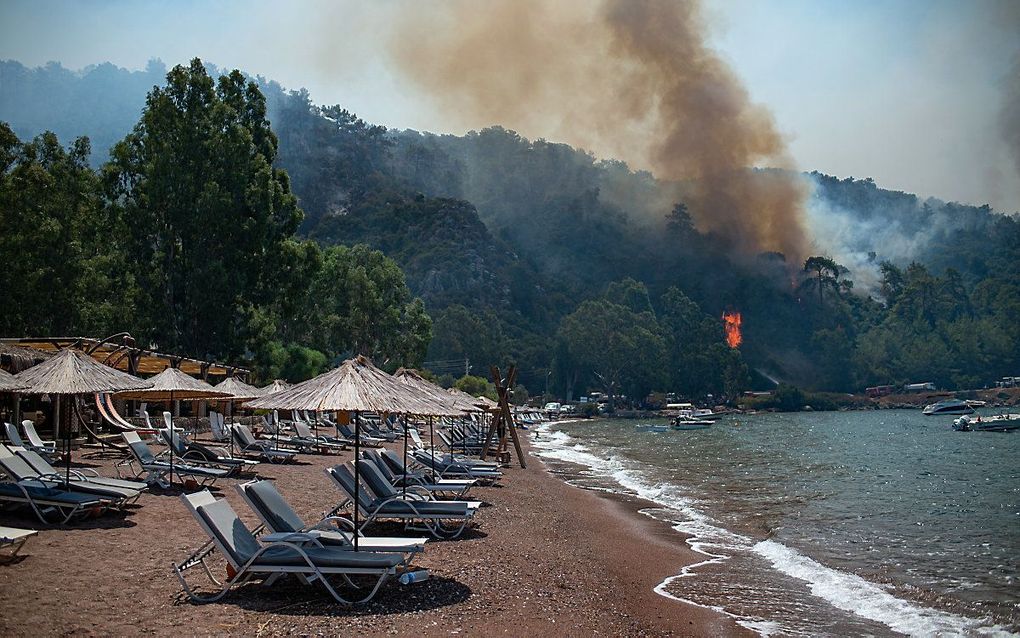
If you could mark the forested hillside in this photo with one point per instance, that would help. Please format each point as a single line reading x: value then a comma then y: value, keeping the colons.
x: 518, y: 248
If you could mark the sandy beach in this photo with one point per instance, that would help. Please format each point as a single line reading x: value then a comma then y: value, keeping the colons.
x: 546, y: 559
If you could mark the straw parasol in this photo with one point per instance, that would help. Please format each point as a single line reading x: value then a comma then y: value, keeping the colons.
x: 173, y: 385
x: 275, y: 386
x: 8, y: 383
x: 236, y: 390
x: 452, y: 398
x: 72, y: 372
x: 355, y: 386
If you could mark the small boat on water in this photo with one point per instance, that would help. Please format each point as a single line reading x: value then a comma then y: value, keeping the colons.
x: 684, y: 422
x: 651, y: 427
x: 997, y: 423
x: 947, y: 406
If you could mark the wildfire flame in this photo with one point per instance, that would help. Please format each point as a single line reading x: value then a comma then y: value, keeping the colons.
x: 732, y: 321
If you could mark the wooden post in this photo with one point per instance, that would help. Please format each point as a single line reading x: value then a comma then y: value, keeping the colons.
x: 505, y: 415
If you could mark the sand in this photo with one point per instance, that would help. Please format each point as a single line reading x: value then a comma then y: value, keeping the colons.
x: 546, y: 559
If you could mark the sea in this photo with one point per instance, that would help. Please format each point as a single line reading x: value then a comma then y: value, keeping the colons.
x: 879, y: 523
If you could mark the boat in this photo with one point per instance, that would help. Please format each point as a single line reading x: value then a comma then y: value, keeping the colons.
x: 651, y: 427
x: 689, y: 410
x: 947, y: 406
x: 684, y: 422
x: 997, y: 423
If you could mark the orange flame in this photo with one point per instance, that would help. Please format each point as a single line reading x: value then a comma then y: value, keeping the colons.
x: 732, y: 321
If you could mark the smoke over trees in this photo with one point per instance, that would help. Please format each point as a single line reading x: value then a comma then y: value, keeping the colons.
x: 631, y: 80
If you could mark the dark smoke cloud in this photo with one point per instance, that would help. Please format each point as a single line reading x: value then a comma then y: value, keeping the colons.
x: 632, y: 79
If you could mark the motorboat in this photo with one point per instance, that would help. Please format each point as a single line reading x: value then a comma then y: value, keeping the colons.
x: 684, y: 422
x: 997, y: 423
x: 947, y: 406
x: 651, y: 427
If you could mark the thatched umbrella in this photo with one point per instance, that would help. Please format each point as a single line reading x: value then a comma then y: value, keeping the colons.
x: 355, y: 386
x: 173, y: 385
x: 456, y: 403
x: 236, y: 390
x: 275, y: 386
x: 71, y: 372
x: 8, y: 384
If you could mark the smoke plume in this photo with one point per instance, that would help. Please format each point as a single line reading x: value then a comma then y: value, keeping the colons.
x: 630, y: 79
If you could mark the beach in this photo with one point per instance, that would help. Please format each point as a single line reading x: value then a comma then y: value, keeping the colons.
x: 545, y: 559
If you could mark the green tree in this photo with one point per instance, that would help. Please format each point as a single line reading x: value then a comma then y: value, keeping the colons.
x: 359, y: 304
x: 620, y: 348
x: 208, y: 212
x: 64, y: 265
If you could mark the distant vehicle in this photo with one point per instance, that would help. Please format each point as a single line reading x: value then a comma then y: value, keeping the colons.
x: 947, y: 406
x: 879, y: 391
x: 919, y: 387
x: 1008, y: 382
x: 552, y: 408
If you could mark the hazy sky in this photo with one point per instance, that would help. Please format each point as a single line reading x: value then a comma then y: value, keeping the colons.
x: 909, y: 93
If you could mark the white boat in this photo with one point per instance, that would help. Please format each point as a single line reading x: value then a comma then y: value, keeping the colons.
x: 947, y: 406
x: 997, y: 423
x: 684, y: 422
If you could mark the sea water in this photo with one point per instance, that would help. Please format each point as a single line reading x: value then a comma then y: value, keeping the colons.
x: 824, y: 523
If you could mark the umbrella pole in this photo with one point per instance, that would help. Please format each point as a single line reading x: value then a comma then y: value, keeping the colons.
x: 171, y: 442
x: 432, y: 446
x: 67, y: 449
x: 357, y: 475
x: 405, y: 457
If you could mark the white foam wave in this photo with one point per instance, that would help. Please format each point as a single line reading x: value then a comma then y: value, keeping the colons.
x: 857, y: 595
x: 842, y: 590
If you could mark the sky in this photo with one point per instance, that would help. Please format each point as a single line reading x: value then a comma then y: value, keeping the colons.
x: 906, y: 92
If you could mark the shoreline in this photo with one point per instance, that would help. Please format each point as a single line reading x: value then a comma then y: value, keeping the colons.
x: 547, y: 558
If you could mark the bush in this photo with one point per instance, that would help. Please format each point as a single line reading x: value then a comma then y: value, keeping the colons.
x: 588, y: 410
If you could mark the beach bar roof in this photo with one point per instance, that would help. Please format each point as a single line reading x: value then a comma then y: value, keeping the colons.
x: 355, y: 386
x: 120, y: 353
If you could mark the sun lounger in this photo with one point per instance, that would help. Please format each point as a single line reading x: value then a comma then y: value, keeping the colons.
x: 448, y: 468
x: 395, y: 475
x: 218, y: 428
x: 329, y: 442
x: 416, y: 515
x: 11, y: 541
x: 299, y: 554
x: 85, y: 474
x: 19, y: 470
x: 14, y: 438
x: 35, y: 442
x: 279, y: 518
x: 302, y: 442
x: 156, y: 470
x: 248, y: 444
x: 201, y: 455
x: 47, y: 502
x: 366, y: 440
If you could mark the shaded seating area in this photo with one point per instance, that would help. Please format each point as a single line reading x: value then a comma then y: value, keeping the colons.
x: 273, y: 556
x: 158, y: 472
x: 279, y: 518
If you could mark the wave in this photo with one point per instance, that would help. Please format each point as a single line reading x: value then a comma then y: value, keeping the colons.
x: 706, y: 536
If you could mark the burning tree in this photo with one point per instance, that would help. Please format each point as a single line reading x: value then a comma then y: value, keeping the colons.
x: 731, y: 322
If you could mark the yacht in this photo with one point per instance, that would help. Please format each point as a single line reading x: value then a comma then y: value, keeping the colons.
x: 685, y: 422
x: 948, y: 406
x: 998, y: 423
